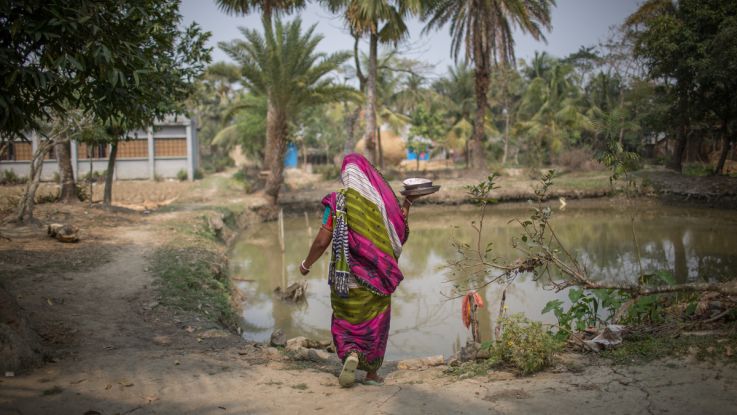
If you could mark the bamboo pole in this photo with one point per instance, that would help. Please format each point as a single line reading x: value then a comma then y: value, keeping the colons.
x: 281, y: 230
x: 309, y: 228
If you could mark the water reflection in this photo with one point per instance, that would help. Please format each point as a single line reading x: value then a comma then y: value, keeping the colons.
x: 692, y: 243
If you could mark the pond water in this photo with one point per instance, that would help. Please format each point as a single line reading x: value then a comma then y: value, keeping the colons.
x: 692, y: 243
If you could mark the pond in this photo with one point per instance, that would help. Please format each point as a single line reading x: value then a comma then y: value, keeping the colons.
x: 692, y: 243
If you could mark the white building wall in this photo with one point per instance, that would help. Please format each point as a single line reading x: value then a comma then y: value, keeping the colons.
x: 129, y: 168
x: 169, y: 167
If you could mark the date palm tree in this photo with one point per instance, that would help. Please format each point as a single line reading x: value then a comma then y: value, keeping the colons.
x: 266, y: 7
x: 382, y: 21
x: 484, y: 27
x: 283, y: 66
x: 553, y: 111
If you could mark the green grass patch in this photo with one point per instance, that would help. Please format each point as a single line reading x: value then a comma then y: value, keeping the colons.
x: 194, y: 278
x: 53, y: 391
x: 583, y: 181
x: 472, y: 369
x: 637, y: 349
x: 697, y: 169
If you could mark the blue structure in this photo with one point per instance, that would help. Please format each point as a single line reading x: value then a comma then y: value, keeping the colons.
x: 412, y: 155
x: 290, y: 159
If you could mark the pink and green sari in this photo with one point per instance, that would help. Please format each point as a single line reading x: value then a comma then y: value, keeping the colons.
x: 368, y: 233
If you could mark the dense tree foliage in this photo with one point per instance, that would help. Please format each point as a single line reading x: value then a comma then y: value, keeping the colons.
x: 125, y: 61
x: 125, y: 64
x: 485, y: 29
x: 688, y: 47
x: 282, y: 66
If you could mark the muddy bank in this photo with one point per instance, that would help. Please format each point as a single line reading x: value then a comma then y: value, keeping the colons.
x: 120, y: 349
x: 717, y: 191
x: 453, y: 190
x: 669, y: 186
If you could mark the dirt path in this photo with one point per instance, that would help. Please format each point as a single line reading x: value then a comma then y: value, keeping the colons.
x: 120, y: 352
x: 131, y: 356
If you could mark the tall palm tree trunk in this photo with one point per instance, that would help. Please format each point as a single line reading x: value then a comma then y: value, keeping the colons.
x: 481, y: 88
x: 68, y: 192
x: 506, y: 134
x: 276, y: 138
x: 371, y: 147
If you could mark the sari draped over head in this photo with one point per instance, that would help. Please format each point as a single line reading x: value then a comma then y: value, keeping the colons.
x: 368, y: 233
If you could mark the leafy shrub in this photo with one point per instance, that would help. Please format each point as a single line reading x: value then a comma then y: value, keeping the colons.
x: 578, y: 159
x: 47, y: 198
x: 587, y: 306
x: 9, y: 178
x: 584, y: 309
x: 240, y: 177
x: 198, y: 175
x: 215, y: 163
x: 328, y: 171
x: 56, y: 178
x: 182, y: 175
x: 697, y: 169
x: 524, y: 344
x: 83, y: 193
x: 94, y: 176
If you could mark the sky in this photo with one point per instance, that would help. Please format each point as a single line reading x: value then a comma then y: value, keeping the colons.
x: 576, y: 23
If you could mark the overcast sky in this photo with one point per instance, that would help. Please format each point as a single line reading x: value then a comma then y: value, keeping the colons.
x: 575, y: 23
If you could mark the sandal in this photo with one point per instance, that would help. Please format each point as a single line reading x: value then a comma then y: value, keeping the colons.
x: 348, y: 374
x: 371, y: 382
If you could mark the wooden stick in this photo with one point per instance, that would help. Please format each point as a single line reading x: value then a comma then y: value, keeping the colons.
x: 281, y: 230
x: 309, y: 228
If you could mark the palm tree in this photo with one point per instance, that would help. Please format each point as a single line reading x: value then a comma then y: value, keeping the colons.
x: 456, y: 91
x: 485, y: 28
x: 267, y: 7
x: 553, y: 111
x: 283, y: 66
x: 382, y: 21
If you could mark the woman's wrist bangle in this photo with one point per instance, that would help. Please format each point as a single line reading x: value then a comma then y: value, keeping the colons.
x: 302, y: 265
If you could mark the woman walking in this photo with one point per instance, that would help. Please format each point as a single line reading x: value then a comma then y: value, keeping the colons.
x: 367, y: 227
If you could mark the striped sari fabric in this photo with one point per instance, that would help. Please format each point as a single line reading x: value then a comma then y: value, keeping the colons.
x: 368, y: 233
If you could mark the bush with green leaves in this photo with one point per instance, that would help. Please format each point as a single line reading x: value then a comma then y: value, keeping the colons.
x: 94, y: 176
x: 524, y: 344
x: 585, y: 309
x: 328, y: 171
x: 182, y: 175
x: 9, y: 178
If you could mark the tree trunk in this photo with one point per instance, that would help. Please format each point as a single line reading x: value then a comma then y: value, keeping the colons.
x: 725, y: 149
x: 371, y: 147
x: 68, y: 192
x: 679, y: 150
x: 481, y: 88
x: 276, y: 140
x: 506, y: 137
x: 28, y: 201
x: 381, y: 150
x: 467, y: 155
x: 107, y: 199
